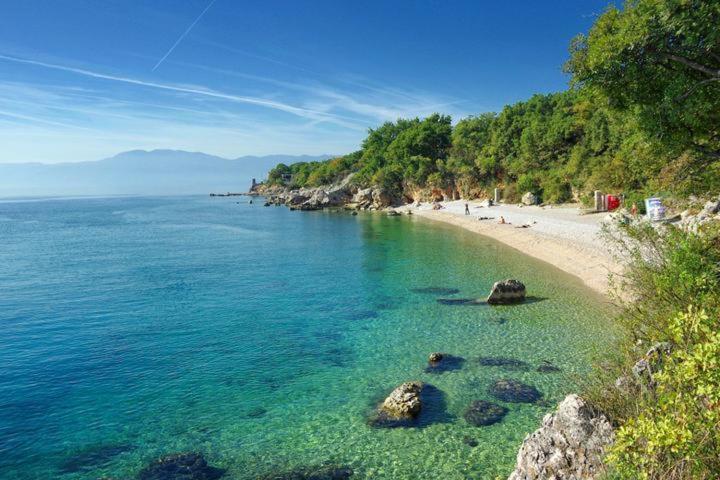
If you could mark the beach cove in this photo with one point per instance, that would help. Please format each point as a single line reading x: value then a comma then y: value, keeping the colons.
x: 264, y: 339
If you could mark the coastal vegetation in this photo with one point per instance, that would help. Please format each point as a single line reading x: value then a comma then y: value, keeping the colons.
x: 641, y: 117
x: 663, y: 388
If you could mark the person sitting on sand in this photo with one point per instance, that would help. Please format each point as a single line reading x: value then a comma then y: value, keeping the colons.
x: 467, y: 209
x: 502, y: 220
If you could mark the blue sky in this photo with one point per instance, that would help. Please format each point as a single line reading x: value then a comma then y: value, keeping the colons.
x: 86, y: 79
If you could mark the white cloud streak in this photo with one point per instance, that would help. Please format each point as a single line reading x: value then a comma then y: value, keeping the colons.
x: 299, y: 111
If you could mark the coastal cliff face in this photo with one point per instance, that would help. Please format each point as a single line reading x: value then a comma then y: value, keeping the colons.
x: 347, y: 194
x: 569, y: 445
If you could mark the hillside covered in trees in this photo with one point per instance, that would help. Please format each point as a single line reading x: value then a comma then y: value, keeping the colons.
x: 642, y: 116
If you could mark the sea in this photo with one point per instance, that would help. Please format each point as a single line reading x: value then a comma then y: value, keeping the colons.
x: 263, y: 339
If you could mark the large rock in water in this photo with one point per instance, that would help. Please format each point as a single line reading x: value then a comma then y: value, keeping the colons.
x: 400, y: 407
x: 181, y: 466
x: 506, y: 291
x: 404, y: 401
x: 569, y: 445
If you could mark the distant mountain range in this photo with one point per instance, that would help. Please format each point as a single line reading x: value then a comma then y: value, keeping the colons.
x: 156, y: 172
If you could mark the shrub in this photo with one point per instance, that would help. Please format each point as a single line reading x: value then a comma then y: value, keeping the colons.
x: 678, y: 434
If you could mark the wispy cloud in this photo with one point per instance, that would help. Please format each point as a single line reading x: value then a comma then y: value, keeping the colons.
x: 299, y: 111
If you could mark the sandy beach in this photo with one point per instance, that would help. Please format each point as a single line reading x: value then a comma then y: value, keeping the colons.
x: 558, y: 235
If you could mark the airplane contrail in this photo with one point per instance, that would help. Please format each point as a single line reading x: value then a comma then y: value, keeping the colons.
x: 180, y: 39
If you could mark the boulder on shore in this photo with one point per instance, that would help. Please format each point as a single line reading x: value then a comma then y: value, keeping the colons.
x: 569, y: 445
x: 529, y: 199
x: 506, y: 291
x: 400, y: 407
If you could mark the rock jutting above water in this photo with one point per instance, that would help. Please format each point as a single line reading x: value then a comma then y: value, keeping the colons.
x: 503, y: 362
x: 400, y: 407
x: 514, y: 391
x: 481, y: 413
x: 506, y: 291
x: 181, y: 466
x: 569, y: 445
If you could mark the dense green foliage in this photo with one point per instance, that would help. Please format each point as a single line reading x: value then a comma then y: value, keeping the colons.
x: 643, y: 117
x: 663, y: 57
x: 670, y: 428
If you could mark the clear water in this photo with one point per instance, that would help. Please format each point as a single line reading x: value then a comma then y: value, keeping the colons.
x: 138, y: 327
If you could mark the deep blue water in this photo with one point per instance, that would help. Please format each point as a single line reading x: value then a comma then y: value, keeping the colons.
x: 132, y: 328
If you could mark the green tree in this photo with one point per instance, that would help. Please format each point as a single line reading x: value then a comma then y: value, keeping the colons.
x: 663, y: 58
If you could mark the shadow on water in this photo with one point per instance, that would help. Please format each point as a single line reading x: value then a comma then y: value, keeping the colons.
x: 461, y: 301
x: 436, y: 290
x: 448, y: 363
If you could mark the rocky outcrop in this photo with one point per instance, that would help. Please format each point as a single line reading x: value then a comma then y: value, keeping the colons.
x: 181, y: 466
x: 400, y: 407
x: 645, y: 368
x: 709, y: 213
x: 506, y: 291
x: 372, y: 199
x: 569, y: 445
x: 529, y: 199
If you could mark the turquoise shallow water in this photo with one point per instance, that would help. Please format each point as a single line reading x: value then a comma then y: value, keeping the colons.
x: 138, y: 327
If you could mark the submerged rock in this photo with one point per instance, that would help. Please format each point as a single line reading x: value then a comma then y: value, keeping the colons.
x: 481, y: 413
x: 93, y: 458
x: 443, y: 362
x: 506, y: 291
x: 504, y: 362
x: 569, y: 445
x: 321, y: 472
x: 514, y: 391
x: 470, y: 442
x: 547, y: 367
x: 181, y: 466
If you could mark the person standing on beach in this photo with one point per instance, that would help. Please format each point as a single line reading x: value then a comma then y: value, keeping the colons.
x: 467, y: 209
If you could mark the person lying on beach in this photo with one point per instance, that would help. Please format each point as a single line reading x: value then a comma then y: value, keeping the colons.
x: 486, y: 218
